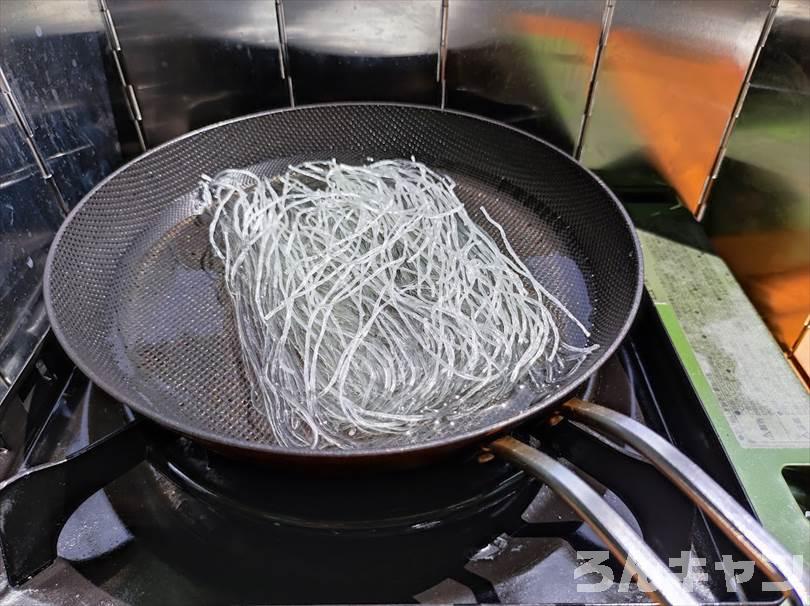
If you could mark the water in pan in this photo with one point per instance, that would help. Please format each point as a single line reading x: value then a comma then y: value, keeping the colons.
x: 177, y: 337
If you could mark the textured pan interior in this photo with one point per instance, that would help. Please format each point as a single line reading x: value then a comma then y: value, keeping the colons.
x: 138, y: 302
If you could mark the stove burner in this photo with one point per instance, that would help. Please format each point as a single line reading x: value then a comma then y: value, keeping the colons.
x: 188, y: 526
x: 251, y: 555
x: 390, y: 502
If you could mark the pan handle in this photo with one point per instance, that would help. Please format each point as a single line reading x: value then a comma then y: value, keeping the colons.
x: 734, y: 521
x: 617, y: 534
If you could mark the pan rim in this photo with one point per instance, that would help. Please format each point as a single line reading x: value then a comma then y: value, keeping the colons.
x: 457, y: 440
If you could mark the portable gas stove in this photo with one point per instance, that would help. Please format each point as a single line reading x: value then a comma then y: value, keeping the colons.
x: 186, y: 526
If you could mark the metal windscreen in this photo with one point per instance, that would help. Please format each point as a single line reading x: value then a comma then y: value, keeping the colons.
x: 136, y: 299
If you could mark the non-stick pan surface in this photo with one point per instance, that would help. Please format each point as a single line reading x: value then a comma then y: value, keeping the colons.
x: 137, y: 301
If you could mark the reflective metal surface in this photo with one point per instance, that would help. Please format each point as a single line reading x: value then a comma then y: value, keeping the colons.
x: 663, y: 95
x: 125, y: 107
x: 194, y: 62
x: 525, y: 62
x: 758, y: 214
x: 57, y: 139
x: 800, y: 352
x: 622, y: 540
x: 736, y: 523
x: 353, y: 50
x: 52, y: 58
x: 29, y: 216
x: 666, y: 88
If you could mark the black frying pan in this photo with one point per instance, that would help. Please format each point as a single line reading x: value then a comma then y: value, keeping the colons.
x: 135, y: 303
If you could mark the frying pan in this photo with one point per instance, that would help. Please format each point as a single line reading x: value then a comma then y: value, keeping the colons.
x: 135, y: 300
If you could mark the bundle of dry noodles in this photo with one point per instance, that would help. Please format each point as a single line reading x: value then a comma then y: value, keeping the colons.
x: 369, y: 304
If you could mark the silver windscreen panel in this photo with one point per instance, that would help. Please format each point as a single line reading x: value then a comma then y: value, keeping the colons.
x: 666, y: 88
x: 524, y: 62
x: 29, y: 217
x: 57, y: 139
x: 194, y: 62
x: 355, y: 50
x: 758, y: 213
x: 51, y: 52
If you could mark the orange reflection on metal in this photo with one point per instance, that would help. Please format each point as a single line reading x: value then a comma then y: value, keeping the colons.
x: 678, y: 100
x: 782, y: 296
x: 546, y: 26
x: 676, y: 96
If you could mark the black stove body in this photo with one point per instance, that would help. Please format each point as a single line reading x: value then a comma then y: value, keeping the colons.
x: 168, y: 521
